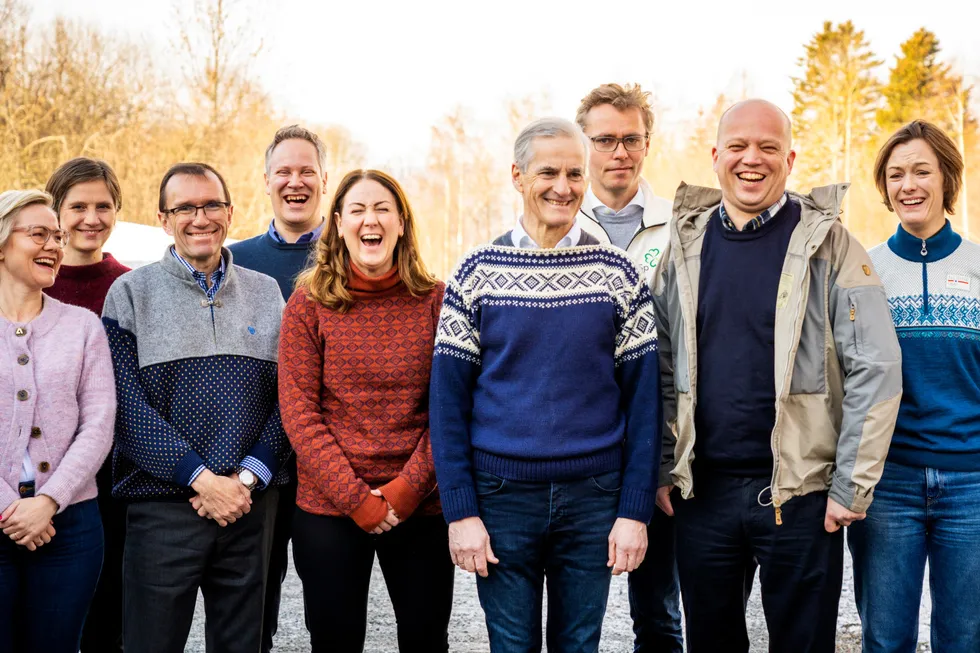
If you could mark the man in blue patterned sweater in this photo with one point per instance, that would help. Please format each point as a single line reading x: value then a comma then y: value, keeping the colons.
x: 545, y: 408
x: 199, y: 442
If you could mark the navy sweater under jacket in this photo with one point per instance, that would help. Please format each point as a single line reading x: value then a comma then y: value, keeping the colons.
x: 736, y: 410
x: 281, y: 261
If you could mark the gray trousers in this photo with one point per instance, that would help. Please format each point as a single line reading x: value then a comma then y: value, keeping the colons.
x: 171, y: 552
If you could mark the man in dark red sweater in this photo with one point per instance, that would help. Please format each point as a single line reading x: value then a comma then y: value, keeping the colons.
x: 87, y: 197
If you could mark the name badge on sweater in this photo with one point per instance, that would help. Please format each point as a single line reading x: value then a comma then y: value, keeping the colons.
x: 958, y: 282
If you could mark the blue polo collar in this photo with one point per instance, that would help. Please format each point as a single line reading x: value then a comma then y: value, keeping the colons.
x: 936, y: 247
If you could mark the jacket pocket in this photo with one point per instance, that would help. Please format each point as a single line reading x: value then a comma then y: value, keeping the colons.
x: 873, y: 333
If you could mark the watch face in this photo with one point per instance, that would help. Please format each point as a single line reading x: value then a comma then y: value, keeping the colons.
x: 247, y: 478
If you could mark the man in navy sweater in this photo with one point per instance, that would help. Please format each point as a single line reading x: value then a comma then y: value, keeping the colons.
x: 781, y: 380
x: 544, y: 409
x: 295, y: 181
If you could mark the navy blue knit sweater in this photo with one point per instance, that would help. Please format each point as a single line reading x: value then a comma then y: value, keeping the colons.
x: 281, y: 261
x: 736, y: 322
x: 545, y: 369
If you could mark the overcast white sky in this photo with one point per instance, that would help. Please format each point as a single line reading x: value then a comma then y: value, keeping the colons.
x: 387, y: 70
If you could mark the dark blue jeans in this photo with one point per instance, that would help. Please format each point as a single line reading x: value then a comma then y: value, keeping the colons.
x: 45, y: 594
x: 553, y: 531
x: 919, y: 514
x: 655, y: 593
x: 723, y: 533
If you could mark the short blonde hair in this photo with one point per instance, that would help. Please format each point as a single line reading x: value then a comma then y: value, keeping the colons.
x: 629, y: 97
x: 13, y: 202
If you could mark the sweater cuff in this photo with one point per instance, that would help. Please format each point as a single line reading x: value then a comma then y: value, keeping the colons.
x: 188, y: 468
x: 401, y: 496
x: 370, y: 513
x: 636, y: 504
x: 459, y: 503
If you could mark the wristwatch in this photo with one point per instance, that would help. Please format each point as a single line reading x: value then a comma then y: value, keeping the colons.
x: 248, y: 479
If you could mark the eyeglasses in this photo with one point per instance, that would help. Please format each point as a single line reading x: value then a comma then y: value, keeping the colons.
x: 212, y: 210
x: 632, y: 143
x: 41, y: 235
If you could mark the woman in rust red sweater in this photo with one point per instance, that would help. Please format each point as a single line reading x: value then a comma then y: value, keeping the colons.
x: 354, y: 360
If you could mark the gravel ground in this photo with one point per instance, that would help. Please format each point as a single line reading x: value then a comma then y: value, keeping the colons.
x: 467, y: 630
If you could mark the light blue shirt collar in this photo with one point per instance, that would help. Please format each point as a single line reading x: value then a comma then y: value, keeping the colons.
x: 522, y: 240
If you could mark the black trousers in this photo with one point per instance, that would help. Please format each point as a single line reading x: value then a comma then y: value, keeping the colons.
x: 334, y: 559
x: 103, y: 627
x: 171, y: 552
x: 279, y: 557
x: 722, y: 533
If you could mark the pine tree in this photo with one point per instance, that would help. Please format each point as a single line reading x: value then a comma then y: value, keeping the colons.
x: 834, y: 103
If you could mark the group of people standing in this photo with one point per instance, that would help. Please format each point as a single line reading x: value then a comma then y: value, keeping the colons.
x: 685, y: 392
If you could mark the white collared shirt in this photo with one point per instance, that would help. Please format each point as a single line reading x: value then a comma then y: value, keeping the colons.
x: 523, y: 241
x: 593, y: 201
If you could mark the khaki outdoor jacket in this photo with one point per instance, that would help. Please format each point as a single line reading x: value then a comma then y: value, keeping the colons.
x: 837, y: 359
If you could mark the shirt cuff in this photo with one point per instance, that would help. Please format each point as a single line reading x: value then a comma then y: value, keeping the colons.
x: 257, y: 467
x: 195, y: 474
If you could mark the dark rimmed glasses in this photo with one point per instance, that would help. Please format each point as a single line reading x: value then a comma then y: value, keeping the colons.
x: 212, y: 210
x: 632, y: 142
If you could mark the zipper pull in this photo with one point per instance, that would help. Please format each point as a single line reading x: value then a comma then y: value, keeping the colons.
x: 779, y: 512
x: 924, y: 251
x: 853, y: 311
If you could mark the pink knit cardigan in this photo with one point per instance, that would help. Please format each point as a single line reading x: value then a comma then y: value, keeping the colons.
x: 58, y: 400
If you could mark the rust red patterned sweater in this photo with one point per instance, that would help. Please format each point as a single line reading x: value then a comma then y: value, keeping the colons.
x: 354, y: 393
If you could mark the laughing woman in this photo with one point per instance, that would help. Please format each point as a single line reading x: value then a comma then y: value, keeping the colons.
x: 355, y: 355
x: 927, y: 504
x: 57, y: 405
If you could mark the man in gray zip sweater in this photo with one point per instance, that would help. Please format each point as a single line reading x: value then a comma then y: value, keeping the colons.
x: 782, y: 379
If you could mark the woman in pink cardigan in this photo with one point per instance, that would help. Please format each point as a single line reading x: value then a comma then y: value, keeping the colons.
x: 57, y: 407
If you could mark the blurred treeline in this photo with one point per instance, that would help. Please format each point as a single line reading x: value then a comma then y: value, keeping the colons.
x: 69, y: 89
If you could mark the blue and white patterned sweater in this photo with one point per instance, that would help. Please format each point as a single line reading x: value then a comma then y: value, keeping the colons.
x: 933, y: 290
x: 196, y: 379
x: 545, y: 369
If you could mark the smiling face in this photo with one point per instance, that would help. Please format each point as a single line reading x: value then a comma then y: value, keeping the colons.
x: 295, y: 184
x: 618, y: 172
x: 752, y: 157
x: 24, y: 261
x: 88, y: 214
x: 553, y: 185
x: 197, y: 238
x: 370, y: 225
x: 915, y: 188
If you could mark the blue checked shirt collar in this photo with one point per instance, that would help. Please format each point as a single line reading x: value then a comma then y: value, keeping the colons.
x: 201, y: 278
x: 305, y: 238
x: 757, y: 221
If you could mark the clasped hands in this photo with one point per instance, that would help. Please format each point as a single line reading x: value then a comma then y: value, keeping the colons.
x: 221, y: 498
x: 28, y: 521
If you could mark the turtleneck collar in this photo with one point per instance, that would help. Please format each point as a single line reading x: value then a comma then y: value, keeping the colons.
x: 107, y: 266
x: 362, y: 286
x: 936, y: 247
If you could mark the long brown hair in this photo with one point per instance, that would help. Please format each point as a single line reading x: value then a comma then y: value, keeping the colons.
x: 325, y: 280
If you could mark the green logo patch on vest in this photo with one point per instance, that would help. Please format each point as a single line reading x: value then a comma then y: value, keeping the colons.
x: 651, y: 257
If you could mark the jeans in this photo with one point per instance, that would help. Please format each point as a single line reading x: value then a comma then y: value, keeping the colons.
x: 919, y: 514
x: 723, y: 532
x: 45, y: 594
x: 334, y: 558
x: 554, y: 531
x: 655, y: 593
